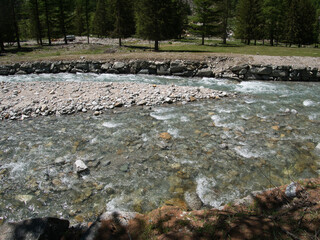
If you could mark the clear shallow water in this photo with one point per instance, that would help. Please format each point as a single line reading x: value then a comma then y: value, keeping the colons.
x: 220, y: 149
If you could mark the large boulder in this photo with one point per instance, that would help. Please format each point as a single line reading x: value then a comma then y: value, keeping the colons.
x: 177, y: 67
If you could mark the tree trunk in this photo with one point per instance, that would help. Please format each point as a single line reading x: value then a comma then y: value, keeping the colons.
x: 202, y: 39
x: 87, y: 20
x: 38, y: 23
x: 15, y: 23
x: 248, y: 41
x: 47, y: 21
x: 255, y: 42
x: 62, y: 23
x: 1, y: 46
x: 120, y: 42
x: 156, y: 45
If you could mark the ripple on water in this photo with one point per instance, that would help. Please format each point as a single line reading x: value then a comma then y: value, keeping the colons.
x: 111, y: 124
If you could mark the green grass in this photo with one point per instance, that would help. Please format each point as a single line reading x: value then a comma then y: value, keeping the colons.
x: 244, y: 49
x: 233, y: 47
x: 189, y: 45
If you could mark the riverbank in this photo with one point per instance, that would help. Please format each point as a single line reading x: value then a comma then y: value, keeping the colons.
x: 234, y: 67
x: 286, y: 212
x: 22, y: 100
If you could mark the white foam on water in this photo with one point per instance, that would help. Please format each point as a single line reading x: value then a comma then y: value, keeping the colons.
x: 184, y: 119
x: 309, y: 103
x: 245, y: 152
x: 206, y: 192
x: 163, y: 117
x: 257, y: 87
x: 115, y: 204
x: 314, y: 117
x: 111, y: 124
x: 16, y: 168
x: 174, y: 132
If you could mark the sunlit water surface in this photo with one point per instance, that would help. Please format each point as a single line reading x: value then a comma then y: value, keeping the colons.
x: 220, y: 149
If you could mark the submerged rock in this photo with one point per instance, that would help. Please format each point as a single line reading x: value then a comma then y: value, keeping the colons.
x: 24, y: 198
x: 80, y: 166
x: 193, y: 201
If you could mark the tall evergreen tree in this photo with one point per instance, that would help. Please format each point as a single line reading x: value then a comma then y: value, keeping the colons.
x: 124, y: 24
x: 102, y: 25
x: 62, y: 20
x: 273, y: 19
x: 14, y: 5
x: 155, y: 20
x: 205, y: 18
x: 79, y: 18
x: 48, y: 19
x: 300, y: 20
x: 249, y: 18
x: 35, y: 19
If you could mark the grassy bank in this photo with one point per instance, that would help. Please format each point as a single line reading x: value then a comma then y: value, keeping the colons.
x: 190, y: 47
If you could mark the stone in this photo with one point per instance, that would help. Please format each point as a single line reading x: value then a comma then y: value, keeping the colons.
x: 80, y: 166
x: 317, y: 149
x: 291, y: 190
x: 293, y: 111
x: 177, y: 66
x: 163, y: 69
x: 124, y: 167
x: 165, y: 136
x: 206, y: 72
x: 237, y: 69
x: 261, y: 70
x: 144, y: 71
x: 119, y: 65
x: 106, y: 66
x: 34, y: 229
x: 24, y: 198
x: 193, y: 201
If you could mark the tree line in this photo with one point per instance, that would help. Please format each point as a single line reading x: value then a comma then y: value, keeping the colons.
x: 285, y: 21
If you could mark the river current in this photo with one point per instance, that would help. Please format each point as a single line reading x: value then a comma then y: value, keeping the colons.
x: 220, y: 149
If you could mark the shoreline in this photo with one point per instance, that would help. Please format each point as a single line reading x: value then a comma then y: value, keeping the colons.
x: 241, y: 68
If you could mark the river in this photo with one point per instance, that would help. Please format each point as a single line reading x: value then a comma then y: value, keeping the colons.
x: 222, y: 150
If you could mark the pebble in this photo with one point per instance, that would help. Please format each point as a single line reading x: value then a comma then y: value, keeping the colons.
x: 80, y: 166
x: 291, y: 190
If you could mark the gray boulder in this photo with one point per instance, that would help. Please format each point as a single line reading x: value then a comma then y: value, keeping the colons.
x: 193, y: 201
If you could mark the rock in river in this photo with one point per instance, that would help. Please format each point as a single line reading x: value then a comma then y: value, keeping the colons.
x: 80, y: 166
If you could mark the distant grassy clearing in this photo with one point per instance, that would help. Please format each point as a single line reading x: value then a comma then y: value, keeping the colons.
x: 189, y: 46
x: 243, y: 49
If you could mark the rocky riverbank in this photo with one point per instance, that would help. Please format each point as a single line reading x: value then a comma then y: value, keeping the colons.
x: 22, y: 100
x: 210, y: 67
x: 290, y: 211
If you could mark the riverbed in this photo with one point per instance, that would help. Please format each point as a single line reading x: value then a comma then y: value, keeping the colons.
x: 140, y: 158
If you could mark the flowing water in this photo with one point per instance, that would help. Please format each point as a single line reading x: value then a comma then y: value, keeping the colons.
x: 220, y: 149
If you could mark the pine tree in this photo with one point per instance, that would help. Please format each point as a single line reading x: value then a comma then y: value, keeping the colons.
x: 13, y: 8
x: 249, y: 19
x: 300, y: 21
x: 79, y: 22
x: 273, y: 19
x: 205, y: 19
x: 35, y: 20
x: 48, y: 19
x: 155, y: 20
x: 102, y: 25
x: 124, y: 24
